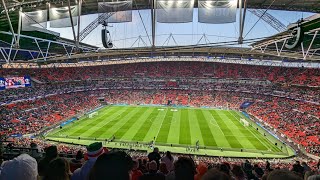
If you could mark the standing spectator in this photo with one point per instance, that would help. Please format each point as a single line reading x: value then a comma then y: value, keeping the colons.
x: 58, y: 169
x: 155, y: 156
x: 94, y: 151
x: 163, y: 169
x: 22, y: 167
x: 168, y: 160
x: 51, y: 153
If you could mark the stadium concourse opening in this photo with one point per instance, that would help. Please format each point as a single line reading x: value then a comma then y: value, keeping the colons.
x: 201, y: 131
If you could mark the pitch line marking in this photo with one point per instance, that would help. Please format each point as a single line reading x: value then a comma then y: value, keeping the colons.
x: 215, y: 124
x: 250, y: 131
x: 161, y: 125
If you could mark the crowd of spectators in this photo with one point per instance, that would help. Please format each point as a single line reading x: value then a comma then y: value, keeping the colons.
x: 96, y: 162
x: 286, y: 99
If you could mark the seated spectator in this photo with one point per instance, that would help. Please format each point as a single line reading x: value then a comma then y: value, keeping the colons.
x: 94, y: 151
x: 22, y: 167
x: 152, y: 174
x: 214, y: 174
x: 35, y: 151
x: 113, y: 165
x: 76, y: 162
x: 184, y: 168
x: 135, y: 173
x: 58, y: 169
x: 51, y: 154
x: 283, y: 175
x: 201, y: 170
x: 163, y: 168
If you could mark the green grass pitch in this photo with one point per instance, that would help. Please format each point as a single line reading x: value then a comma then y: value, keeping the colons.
x: 214, y: 128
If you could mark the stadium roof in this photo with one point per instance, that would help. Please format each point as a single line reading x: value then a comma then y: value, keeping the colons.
x: 62, y: 49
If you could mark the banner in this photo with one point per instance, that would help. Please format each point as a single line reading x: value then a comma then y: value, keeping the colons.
x: 169, y: 11
x: 122, y: 11
x: 217, y: 11
x: 33, y: 20
x: 60, y: 18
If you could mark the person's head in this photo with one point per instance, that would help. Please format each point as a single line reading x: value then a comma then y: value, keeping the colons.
x: 94, y: 150
x: 58, y: 169
x: 135, y: 164
x: 163, y: 168
x: 214, y: 174
x: 237, y: 171
x: 168, y: 154
x: 283, y: 174
x: 184, y: 168
x: 224, y: 168
x: 156, y: 150
x: 79, y: 155
x: 202, y: 168
x: 51, y: 152
x: 152, y: 166
x: 113, y: 165
x: 22, y: 167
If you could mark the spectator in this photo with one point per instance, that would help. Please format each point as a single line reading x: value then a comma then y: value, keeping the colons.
x: 94, y: 151
x: 135, y: 173
x: 58, y: 170
x: 155, y: 156
x: 168, y: 160
x: 114, y: 165
x: 22, y: 167
x: 76, y: 162
x: 283, y: 175
x: 214, y: 174
x: 51, y: 154
x: 184, y: 168
x: 201, y: 170
x: 152, y: 174
x: 163, y: 168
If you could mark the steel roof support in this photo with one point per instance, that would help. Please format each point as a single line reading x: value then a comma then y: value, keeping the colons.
x: 72, y: 25
x: 310, y: 45
x: 242, y: 18
x: 19, y: 27
x: 153, y: 23
x: 79, y: 15
x: 9, y: 21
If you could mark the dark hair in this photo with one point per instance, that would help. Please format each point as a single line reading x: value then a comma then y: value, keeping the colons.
x: 51, y: 152
x: 114, y: 165
x: 79, y: 155
x: 184, y: 168
x: 216, y: 175
x: 283, y: 174
x: 168, y: 154
x: 58, y: 169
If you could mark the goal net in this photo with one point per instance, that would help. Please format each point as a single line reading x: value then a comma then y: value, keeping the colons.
x: 91, y: 115
x: 244, y: 122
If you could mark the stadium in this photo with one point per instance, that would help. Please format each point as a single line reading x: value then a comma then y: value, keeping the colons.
x: 160, y: 89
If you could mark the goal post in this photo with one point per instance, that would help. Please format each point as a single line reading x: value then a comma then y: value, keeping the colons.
x: 91, y: 115
x: 244, y: 122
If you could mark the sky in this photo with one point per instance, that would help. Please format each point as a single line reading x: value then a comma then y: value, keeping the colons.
x: 126, y: 35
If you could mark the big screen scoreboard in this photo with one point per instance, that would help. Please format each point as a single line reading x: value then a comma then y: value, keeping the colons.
x: 14, y: 82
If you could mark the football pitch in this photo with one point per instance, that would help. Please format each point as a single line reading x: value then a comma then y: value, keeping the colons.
x: 218, y: 132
